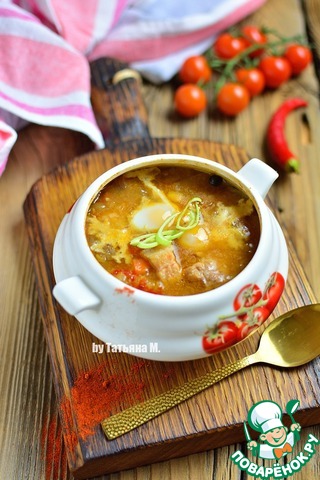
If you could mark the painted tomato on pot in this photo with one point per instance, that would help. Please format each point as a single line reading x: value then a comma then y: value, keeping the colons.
x: 248, y: 296
x: 220, y: 337
x: 252, y: 322
x: 252, y: 306
x: 273, y: 290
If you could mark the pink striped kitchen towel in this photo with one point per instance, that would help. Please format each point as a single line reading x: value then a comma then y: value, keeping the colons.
x: 46, y: 46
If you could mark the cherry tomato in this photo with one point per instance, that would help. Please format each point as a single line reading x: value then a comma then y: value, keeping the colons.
x: 220, y: 337
x: 276, y: 70
x: 195, y: 69
x: 252, y: 78
x: 299, y: 57
x: 253, y: 35
x: 273, y: 290
x: 248, y: 296
x: 190, y: 100
x: 260, y: 314
x: 232, y: 98
x: 228, y: 46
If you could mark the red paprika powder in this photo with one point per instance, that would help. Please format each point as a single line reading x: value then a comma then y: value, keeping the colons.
x: 94, y: 395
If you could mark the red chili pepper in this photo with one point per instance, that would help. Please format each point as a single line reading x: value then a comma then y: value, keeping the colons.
x: 276, y: 141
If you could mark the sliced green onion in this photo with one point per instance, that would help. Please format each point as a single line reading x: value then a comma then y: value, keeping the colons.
x: 144, y: 241
x: 194, y: 214
x: 160, y: 235
x: 165, y: 237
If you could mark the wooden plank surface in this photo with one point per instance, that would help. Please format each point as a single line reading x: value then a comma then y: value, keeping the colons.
x: 202, y: 421
x: 28, y: 403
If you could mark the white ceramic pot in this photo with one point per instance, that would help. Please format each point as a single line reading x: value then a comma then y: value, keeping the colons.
x: 171, y: 328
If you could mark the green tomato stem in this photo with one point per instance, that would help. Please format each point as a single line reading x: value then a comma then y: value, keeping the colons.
x: 244, y: 310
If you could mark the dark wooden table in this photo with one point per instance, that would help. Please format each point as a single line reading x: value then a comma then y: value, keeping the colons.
x: 26, y: 392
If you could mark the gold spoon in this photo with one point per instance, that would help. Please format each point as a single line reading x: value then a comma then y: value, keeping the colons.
x: 292, y: 339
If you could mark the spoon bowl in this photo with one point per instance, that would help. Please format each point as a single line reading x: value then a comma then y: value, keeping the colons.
x: 291, y: 340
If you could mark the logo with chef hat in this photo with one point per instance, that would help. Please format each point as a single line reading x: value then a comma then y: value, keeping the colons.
x: 277, y: 440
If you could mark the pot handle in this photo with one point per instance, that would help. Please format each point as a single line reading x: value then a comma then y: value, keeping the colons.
x: 259, y: 175
x: 74, y: 295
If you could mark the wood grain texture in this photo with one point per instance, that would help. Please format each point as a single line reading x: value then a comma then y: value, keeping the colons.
x: 312, y: 14
x: 195, y: 425
x: 27, y: 399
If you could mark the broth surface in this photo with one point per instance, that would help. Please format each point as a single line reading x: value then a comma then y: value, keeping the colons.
x: 202, y: 258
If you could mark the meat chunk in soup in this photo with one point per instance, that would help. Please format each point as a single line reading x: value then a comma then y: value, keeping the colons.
x: 205, y: 273
x: 165, y: 261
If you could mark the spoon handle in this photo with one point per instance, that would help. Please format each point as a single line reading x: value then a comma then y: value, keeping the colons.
x: 133, y: 417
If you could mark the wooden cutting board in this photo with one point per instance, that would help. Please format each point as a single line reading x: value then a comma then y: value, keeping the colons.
x: 213, y: 418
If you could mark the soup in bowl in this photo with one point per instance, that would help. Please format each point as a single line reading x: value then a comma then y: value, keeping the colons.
x: 172, y: 230
x: 172, y: 257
